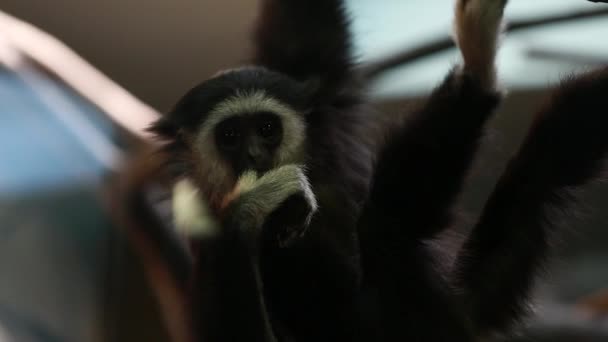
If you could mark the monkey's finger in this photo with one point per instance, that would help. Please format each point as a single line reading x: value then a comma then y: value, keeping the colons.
x: 477, y: 28
x: 291, y: 220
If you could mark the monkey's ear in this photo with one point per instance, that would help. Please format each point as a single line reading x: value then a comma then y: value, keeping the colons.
x: 164, y: 128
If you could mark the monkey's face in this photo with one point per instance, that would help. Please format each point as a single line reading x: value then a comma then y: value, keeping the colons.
x: 249, y: 141
x: 250, y: 130
x: 242, y: 120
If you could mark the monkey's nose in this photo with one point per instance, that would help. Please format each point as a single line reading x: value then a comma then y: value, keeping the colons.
x: 257, y: 157
x: 259, y: 163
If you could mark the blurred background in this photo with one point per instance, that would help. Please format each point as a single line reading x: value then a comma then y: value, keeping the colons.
x: 67, y: 275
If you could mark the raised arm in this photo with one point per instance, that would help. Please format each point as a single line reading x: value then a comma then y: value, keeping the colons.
x: 419, y: 173
x: 421, y: 169
x: 305, y: 39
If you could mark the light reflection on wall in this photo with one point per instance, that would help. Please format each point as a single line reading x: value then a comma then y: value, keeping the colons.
x: 382, y: 30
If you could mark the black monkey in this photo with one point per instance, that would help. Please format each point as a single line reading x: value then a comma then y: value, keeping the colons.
x: 314, y: 237
x: 307, y: 91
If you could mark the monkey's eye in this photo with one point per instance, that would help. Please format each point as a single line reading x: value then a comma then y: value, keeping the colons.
x: 270, y: 128
x: 227, y: 135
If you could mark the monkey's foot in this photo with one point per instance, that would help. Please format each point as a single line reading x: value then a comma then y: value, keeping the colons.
x: 281, y: 199
x: 291, y: 220
x: 477, y: 27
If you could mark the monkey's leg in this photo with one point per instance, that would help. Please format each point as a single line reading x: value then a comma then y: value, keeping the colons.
x: 564, y: 149
x: 228, y: 303
x: 411, y: 299
x: 281, y: 200
x: 421, y: 169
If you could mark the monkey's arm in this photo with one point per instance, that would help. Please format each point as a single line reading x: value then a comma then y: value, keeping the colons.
x: 305, y: 39
x: 565, y: 149
x: 253, y: 201
x: 418, y: 175
x: 421, y: 169
x: 227, y: 300
x: 227, y: 288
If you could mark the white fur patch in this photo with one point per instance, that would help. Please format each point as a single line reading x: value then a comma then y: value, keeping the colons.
x: 294, y: 127
x: 191, y: 215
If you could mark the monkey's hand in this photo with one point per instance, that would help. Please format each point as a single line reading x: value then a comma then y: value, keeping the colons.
x: 477, y: 27
x: 281, y: 199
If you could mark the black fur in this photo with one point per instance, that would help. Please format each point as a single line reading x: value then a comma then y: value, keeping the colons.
x: 308, y: 40
x: 226, y: 293
x: 496, y: 268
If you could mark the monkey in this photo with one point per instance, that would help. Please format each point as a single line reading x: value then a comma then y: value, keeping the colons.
x: 318, y: 233
x: 305, y: 84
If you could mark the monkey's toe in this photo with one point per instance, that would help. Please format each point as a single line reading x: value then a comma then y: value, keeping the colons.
x: 291, y: 220
x: 477, y: 27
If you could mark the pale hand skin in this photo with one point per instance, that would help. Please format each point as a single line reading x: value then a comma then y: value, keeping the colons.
x: 477, y: 26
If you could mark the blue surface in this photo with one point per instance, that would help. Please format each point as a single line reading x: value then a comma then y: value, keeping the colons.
x: 37, y: 152
x: 55, y: 238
